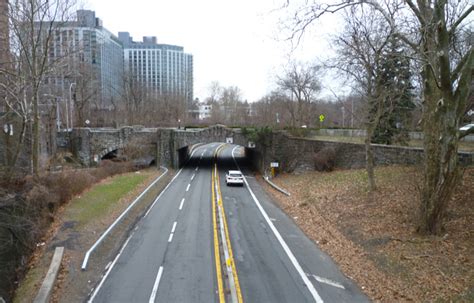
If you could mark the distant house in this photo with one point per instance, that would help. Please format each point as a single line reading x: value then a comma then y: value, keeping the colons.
x: 204, y: 111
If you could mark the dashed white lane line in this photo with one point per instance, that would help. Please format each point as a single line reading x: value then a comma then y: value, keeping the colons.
x: 172, y: 232
x: 328, y: 282
x: 197, y: 168
x: 181, y: 205
x: 187, y: 188
x: 155, y: 286
x: 174, y: 227
x: 192, y: 177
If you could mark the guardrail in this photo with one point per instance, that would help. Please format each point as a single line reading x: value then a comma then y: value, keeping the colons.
x: 105, y: 234
x: 266, y: 178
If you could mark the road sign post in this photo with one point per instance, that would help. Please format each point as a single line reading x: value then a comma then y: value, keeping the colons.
x: 321, y: 120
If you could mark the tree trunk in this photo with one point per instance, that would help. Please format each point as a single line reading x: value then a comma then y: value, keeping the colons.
x: 443, y: 109
x: 16, y: 150
x: 441, y: 172
x: 369, y: 160
x: 36, y: 136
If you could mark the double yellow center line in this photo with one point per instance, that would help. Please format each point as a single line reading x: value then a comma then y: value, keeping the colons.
x: 218, y: 211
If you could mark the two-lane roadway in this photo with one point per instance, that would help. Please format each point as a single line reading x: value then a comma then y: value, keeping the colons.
x: 202, y: 241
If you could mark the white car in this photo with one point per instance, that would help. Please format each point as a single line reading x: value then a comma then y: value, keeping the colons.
x: 234, y: 177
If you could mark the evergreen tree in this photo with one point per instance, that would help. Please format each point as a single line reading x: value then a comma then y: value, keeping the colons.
x: 397, y: 99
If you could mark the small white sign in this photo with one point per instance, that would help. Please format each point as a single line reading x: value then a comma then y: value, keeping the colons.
x: 8, y: 129
x: 274, y: 164
x: 229, y: 140
x: 251, y: 144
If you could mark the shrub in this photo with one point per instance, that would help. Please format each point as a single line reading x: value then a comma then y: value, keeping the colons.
x: 109, y: 168
x: 41, y: 199
x: 27, y: 207
x: 325, y: 159
x: 298, y: 132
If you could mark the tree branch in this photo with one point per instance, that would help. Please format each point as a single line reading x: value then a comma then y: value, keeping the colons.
x: 416, y: 11
x: 453, y: 28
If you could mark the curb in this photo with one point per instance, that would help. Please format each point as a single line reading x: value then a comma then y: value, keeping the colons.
x: 46, y: 289
x: 276, y: 186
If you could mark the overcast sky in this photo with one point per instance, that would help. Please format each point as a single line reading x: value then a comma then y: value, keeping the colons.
x: 236, y: 43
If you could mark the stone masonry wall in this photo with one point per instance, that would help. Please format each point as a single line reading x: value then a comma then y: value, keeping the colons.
x: 297, y: 153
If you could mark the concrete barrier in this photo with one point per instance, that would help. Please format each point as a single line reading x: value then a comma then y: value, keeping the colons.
x: 47, y: 287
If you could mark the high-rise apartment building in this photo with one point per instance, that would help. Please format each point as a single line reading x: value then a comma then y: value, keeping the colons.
x: 88, y: 52
x: 163, y: 69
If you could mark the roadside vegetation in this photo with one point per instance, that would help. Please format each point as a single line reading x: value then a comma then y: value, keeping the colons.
x: 77, y: 226
x: 373, y: 235
x: 27, y: 209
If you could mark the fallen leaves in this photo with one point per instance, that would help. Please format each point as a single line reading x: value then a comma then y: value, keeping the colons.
x: 372, y: 235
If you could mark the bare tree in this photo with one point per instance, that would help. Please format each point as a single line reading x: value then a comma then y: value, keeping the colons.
x: 32, y: 24
x: 302, y: 83
x: 227, y: 104
x: 434, y: 32
x: 362, y: 54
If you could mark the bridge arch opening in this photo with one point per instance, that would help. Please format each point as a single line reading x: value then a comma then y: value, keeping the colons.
x: 112, y: 155
x: 203, y: 154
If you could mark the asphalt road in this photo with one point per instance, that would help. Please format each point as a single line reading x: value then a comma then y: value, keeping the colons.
x: 170, y: 255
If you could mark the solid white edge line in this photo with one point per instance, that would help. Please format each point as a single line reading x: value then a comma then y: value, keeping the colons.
x: 170, y: 238
x: 174, y: 226
x: 280, y: 239
x: 155, y: 286
x: 96, y: 290
x: 187, y: 188
x: 181, y: 205
x: 112, y: 226
x: 162, y: 192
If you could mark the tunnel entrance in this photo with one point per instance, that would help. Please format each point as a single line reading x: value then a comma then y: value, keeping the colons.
x: 183, y: 156
x: 251, y: 158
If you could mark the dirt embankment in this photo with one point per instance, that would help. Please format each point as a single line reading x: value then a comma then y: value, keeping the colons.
x: 372, y: 236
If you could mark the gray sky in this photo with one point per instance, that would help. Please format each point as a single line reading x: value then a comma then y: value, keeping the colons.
x: 233, y: 42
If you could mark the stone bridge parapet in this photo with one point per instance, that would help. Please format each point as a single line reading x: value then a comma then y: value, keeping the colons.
x: 170, y: 147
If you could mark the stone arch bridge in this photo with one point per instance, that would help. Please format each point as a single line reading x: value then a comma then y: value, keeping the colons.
x: 170, y: 147
x: 166, y: 146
